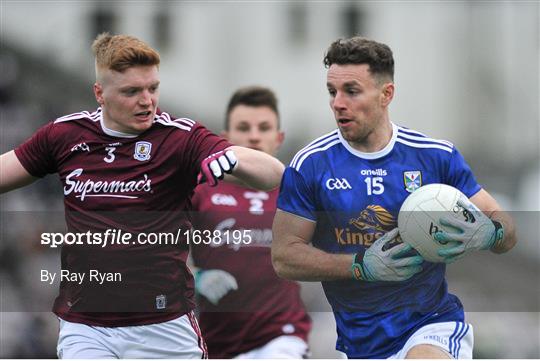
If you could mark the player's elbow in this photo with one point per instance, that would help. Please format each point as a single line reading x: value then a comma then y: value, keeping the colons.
x: 280, y: 264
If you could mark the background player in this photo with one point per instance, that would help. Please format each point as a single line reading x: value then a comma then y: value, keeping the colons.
x: 129, y: 166
x: 246, y: 310
x: 342, y: 193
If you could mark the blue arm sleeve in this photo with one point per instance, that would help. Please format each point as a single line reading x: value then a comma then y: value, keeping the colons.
x: 460, y: 175
x: 296, y: 196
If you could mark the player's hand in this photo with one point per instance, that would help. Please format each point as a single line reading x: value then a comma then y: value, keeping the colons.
x: 214, y: 167
x: 214, y: 284
x: 475, y: 232
x: 381, y: 264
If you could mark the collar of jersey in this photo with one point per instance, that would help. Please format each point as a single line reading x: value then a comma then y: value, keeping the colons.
x: 375, y: 155
x: 111, y: 132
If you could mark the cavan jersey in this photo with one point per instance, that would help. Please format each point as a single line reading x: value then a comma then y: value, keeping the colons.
x: 354, y: 198
x: 264, y: 306
x: 134, y: 184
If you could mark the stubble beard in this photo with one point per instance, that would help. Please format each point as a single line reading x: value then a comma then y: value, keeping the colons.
x: 358, y: 136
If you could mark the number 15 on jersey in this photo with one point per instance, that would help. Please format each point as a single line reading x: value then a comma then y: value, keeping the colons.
x: 374, y: 185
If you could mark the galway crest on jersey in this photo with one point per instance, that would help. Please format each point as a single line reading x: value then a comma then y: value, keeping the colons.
x: 142, y: 151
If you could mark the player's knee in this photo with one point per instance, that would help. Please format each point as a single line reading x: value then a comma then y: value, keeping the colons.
x: 426, y: 351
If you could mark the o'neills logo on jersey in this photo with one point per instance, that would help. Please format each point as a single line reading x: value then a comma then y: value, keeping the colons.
x: 114, y: 189
x: 372, y: 223
x: 379, y: 171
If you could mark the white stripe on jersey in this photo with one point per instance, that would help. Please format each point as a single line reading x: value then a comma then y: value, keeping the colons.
x: 314, y: 144
x: 181, y: 123
x: 421, y: 136
x: 186, y: 120
x: 424, y: 145
x: 80, y: 115
x: 315, y: 150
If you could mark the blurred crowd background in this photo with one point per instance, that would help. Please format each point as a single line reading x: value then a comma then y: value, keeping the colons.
x: 466, y: 71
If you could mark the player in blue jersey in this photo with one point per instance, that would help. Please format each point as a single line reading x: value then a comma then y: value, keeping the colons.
x: 337, y: 213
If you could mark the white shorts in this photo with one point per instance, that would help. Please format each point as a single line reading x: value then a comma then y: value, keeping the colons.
x: 456, y: 338
x: 179, y: 338
x: 282, y: 347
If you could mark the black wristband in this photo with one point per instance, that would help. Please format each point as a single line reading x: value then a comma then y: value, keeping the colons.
x: 499, y: 233
x: 356, y: 266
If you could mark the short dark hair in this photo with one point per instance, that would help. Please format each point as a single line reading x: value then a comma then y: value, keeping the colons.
x: 253, y: 96
x: 359, y: 50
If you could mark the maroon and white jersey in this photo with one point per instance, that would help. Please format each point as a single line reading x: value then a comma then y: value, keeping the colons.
x: 136, y: 184
x: 264, y: 306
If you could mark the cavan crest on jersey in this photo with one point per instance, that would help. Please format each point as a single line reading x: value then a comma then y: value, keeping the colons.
x: 354, y: 198
x: 412, y: 180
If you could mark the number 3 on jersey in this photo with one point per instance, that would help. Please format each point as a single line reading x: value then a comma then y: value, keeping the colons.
x: 374, y: 185
x: 110, y: 154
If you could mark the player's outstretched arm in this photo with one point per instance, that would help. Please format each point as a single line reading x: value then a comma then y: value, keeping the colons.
x: 257, y: 169
x: 12, y: 173
x: 243, y: 165
x: 294, y: 258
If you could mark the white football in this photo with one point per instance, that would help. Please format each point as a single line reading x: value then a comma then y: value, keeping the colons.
x: 418, y: 218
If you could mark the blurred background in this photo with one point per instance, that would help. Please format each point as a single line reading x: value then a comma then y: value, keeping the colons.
x: 466, y: 71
